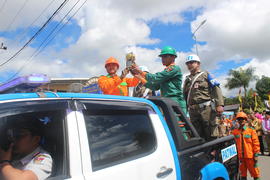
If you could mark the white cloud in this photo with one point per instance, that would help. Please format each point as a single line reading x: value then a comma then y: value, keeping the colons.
x: 235, y: 30
x: 171, y: 18
x: 261, y: 68
x: 108, y: 29
x: 28, y: 13
x: 151, y: 9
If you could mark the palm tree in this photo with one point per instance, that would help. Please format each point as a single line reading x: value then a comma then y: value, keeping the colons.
x: 240, y: 78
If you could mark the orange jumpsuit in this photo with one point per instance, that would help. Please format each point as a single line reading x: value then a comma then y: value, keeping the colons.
x: 248, y: 147
x: 116, y: 86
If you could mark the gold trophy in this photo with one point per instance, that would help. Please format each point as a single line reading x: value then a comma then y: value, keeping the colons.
x: 130, y: 59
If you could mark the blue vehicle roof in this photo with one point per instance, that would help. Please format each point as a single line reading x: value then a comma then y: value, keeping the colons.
x: 14, y: 96
x: 4, y: 97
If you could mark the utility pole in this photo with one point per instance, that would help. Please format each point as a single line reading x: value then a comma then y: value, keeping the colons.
x: 194, y: 36
x: 3, y: 47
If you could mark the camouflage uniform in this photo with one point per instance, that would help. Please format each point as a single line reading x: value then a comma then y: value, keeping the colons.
x: 202, y: 115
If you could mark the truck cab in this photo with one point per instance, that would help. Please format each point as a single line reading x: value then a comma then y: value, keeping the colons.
x: 98, y: 137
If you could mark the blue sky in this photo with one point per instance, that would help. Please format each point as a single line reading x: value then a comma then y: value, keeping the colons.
x: 59, y: 42
x: 225, y: 66
x: 178, y: 35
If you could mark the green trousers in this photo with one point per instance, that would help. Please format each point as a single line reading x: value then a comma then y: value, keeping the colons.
x: 182, y: 103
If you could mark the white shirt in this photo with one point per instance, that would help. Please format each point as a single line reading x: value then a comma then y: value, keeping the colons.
x: 39, y: 162
x: 266, y: 126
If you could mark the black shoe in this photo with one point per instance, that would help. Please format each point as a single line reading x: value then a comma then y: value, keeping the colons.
x: 262, y: 153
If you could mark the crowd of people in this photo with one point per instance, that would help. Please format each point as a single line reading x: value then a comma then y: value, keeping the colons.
x: 260, y: 122
x: 251, y: 131
x: 200, y: 98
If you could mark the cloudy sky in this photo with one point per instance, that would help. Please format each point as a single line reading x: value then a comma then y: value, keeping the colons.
x: 236, y: 34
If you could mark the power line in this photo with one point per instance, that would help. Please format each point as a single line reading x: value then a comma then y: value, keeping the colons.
x: 45, y: 9
x: 36, y: 53
x: 15, y: 17
x: 61, y: 28
x: 21, y: 35
x: 3, y: 5
x: 36, y: 34
x: 53, y: 30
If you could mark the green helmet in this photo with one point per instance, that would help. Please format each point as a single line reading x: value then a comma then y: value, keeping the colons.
x: 168, y: 50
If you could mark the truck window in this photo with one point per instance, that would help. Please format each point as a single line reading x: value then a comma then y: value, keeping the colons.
x: 52, y: 140
x: 117, y: 136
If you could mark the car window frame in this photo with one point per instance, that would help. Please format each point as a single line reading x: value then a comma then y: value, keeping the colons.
x: 132, y: 106
x: 15, y: 107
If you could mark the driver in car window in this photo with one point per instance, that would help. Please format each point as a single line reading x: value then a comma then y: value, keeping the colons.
x: 25, y: 159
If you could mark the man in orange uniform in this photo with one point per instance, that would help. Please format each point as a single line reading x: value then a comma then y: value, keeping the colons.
x: 113, y: 84
x: 248, y: 147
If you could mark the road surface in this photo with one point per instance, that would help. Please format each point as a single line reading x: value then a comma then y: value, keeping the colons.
x: 264, y: 164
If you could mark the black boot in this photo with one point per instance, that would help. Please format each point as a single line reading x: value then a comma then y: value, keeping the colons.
x: 243, y: 178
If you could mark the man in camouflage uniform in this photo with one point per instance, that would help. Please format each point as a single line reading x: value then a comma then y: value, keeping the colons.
x: 204, y: 99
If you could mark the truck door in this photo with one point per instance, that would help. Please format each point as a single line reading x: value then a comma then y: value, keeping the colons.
x: 123, y: 140
x: 53, y: 113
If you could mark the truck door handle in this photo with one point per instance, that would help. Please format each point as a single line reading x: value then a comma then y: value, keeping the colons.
x: 164, y: 172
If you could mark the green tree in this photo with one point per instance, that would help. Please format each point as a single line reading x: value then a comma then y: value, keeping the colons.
x: 231, y: 101
x: 240, y: 78
x: 263, y: 87
x: 249, y: 101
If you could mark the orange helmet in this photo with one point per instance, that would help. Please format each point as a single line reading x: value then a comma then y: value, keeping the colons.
x: 112, y: 60
x: 241, y: 115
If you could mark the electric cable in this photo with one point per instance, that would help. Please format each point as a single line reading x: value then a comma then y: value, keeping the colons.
x: 3, y: 5
x: 36, y: 53
x: 53, y: 30
x: 36, y: 34
x: 15, y: 17
x: 34, y: 21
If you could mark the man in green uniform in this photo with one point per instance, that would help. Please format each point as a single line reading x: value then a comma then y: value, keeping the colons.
x: 169, y: 81
x: 204, y: 99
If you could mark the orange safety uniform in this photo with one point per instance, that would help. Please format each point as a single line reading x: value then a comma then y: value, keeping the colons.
x: 248, y: 147
x: 116, y: 86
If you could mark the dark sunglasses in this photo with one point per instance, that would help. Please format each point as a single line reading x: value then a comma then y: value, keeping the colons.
x: 240, y: 119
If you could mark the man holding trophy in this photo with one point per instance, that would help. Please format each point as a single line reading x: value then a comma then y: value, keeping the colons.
x: 113, y: 84
x: 168, y: 81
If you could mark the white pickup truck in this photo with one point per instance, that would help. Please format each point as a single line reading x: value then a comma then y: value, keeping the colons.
x: 98, y: 137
